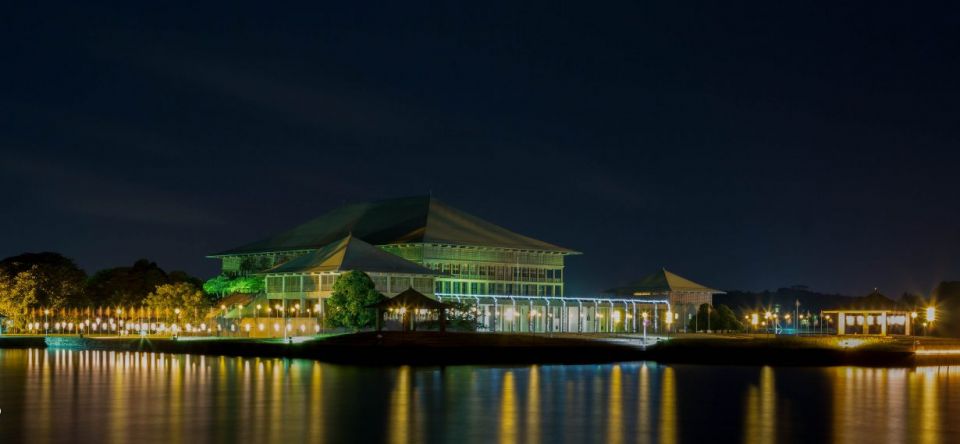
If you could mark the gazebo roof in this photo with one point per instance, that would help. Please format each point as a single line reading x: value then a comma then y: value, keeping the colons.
x: 411, y: 299
x: 349, y: 254
x: 662, y: 281
x: 875, y: 301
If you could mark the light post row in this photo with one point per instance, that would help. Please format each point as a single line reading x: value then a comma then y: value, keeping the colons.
x: 122, y: 322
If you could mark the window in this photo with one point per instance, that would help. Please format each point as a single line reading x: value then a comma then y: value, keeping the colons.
x: 274, y: 284
x: 326, y: 282
x: 398, y: 284
x: 310, y: 283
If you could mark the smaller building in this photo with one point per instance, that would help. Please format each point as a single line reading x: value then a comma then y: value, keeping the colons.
x: 684, y: 295
x: 873, y: 314
x: 296, y: 291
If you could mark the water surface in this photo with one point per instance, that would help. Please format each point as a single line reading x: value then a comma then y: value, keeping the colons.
x: 62, y: 396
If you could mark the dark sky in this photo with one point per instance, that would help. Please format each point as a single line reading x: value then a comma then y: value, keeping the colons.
x: 749, y: 147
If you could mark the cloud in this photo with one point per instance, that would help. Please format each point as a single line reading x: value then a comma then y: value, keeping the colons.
x: 82, y: 192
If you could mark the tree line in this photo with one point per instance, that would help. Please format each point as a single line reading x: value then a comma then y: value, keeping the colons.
x: 47, y: 282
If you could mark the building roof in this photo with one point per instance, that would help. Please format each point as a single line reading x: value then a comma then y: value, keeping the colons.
x: 875, y: 301
x: 411, y: 299
x: 662, y: 281
x: 350, y: 253
x: 396, y: 221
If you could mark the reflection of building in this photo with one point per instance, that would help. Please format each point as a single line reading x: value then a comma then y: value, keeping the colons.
x: 873, y: 314
x: 684, y: 295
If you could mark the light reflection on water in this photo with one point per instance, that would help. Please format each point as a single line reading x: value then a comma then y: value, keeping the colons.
x: 115, y: 397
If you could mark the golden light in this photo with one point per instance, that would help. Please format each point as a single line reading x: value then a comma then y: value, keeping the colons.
x: 669, y: 319
x: 913, y: 315
x: 755, y: 319
x: 931, y: 314
x: 616, y: 316
x: 850, y: 343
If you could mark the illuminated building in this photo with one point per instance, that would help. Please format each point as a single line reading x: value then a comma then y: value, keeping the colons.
x: 684, y: 295
x: 873, y: 314
x: 515, y: 283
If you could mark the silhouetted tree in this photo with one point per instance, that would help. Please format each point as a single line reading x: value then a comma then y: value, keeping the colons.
x: 59, y: 281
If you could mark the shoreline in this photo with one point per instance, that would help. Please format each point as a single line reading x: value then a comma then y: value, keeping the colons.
x: 430, y: 348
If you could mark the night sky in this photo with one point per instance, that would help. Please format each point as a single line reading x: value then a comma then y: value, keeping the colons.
x: 744, y: 147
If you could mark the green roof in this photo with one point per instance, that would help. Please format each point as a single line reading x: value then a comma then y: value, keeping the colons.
x: 349, y: 254
x: 396, y: 221
x: 662, y: 281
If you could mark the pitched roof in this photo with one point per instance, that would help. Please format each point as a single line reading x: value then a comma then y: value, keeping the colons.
x: 348, y: 254
x: 396, y: 221
x: 661, y: 282
x: 411, y: 299
x: 873, y: 301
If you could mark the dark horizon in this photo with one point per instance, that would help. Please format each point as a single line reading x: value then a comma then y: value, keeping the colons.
x: 743, y: 147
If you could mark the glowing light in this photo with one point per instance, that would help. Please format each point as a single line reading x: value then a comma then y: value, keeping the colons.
x: 755, y: 319
x: 950, y: 351
x: 931, y: 314
x: 850, y: 343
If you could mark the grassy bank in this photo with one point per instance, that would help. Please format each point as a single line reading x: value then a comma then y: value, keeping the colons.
x: 786, y: 351
x: 427, y: 348
x: 389, y: 348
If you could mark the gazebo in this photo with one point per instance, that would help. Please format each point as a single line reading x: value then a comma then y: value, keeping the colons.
x: 873, y: 314
x: 406, y: 302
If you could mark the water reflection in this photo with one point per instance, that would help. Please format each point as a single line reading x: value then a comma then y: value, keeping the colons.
x: 91, y: 396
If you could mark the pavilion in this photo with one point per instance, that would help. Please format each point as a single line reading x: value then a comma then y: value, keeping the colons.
x: 408, y: 303
x: 684, y: 295
x: 873, y: 314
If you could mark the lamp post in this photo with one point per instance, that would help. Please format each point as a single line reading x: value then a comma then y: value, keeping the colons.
x: 176, y: 328
x: 669, y: 320
x: 644, y: 329
x: 46, y: 314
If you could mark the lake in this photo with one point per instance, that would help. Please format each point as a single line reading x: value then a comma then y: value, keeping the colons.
x: 53, y: 396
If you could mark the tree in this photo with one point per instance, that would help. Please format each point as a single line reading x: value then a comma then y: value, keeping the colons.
x: 129, y: 286
x: 17, y: 294
x: 726, y: 319
x: 190, y: 300
x: 223, y: 285
x: 721, y: 318
x: 60, y: 282
x: 352, y: 293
